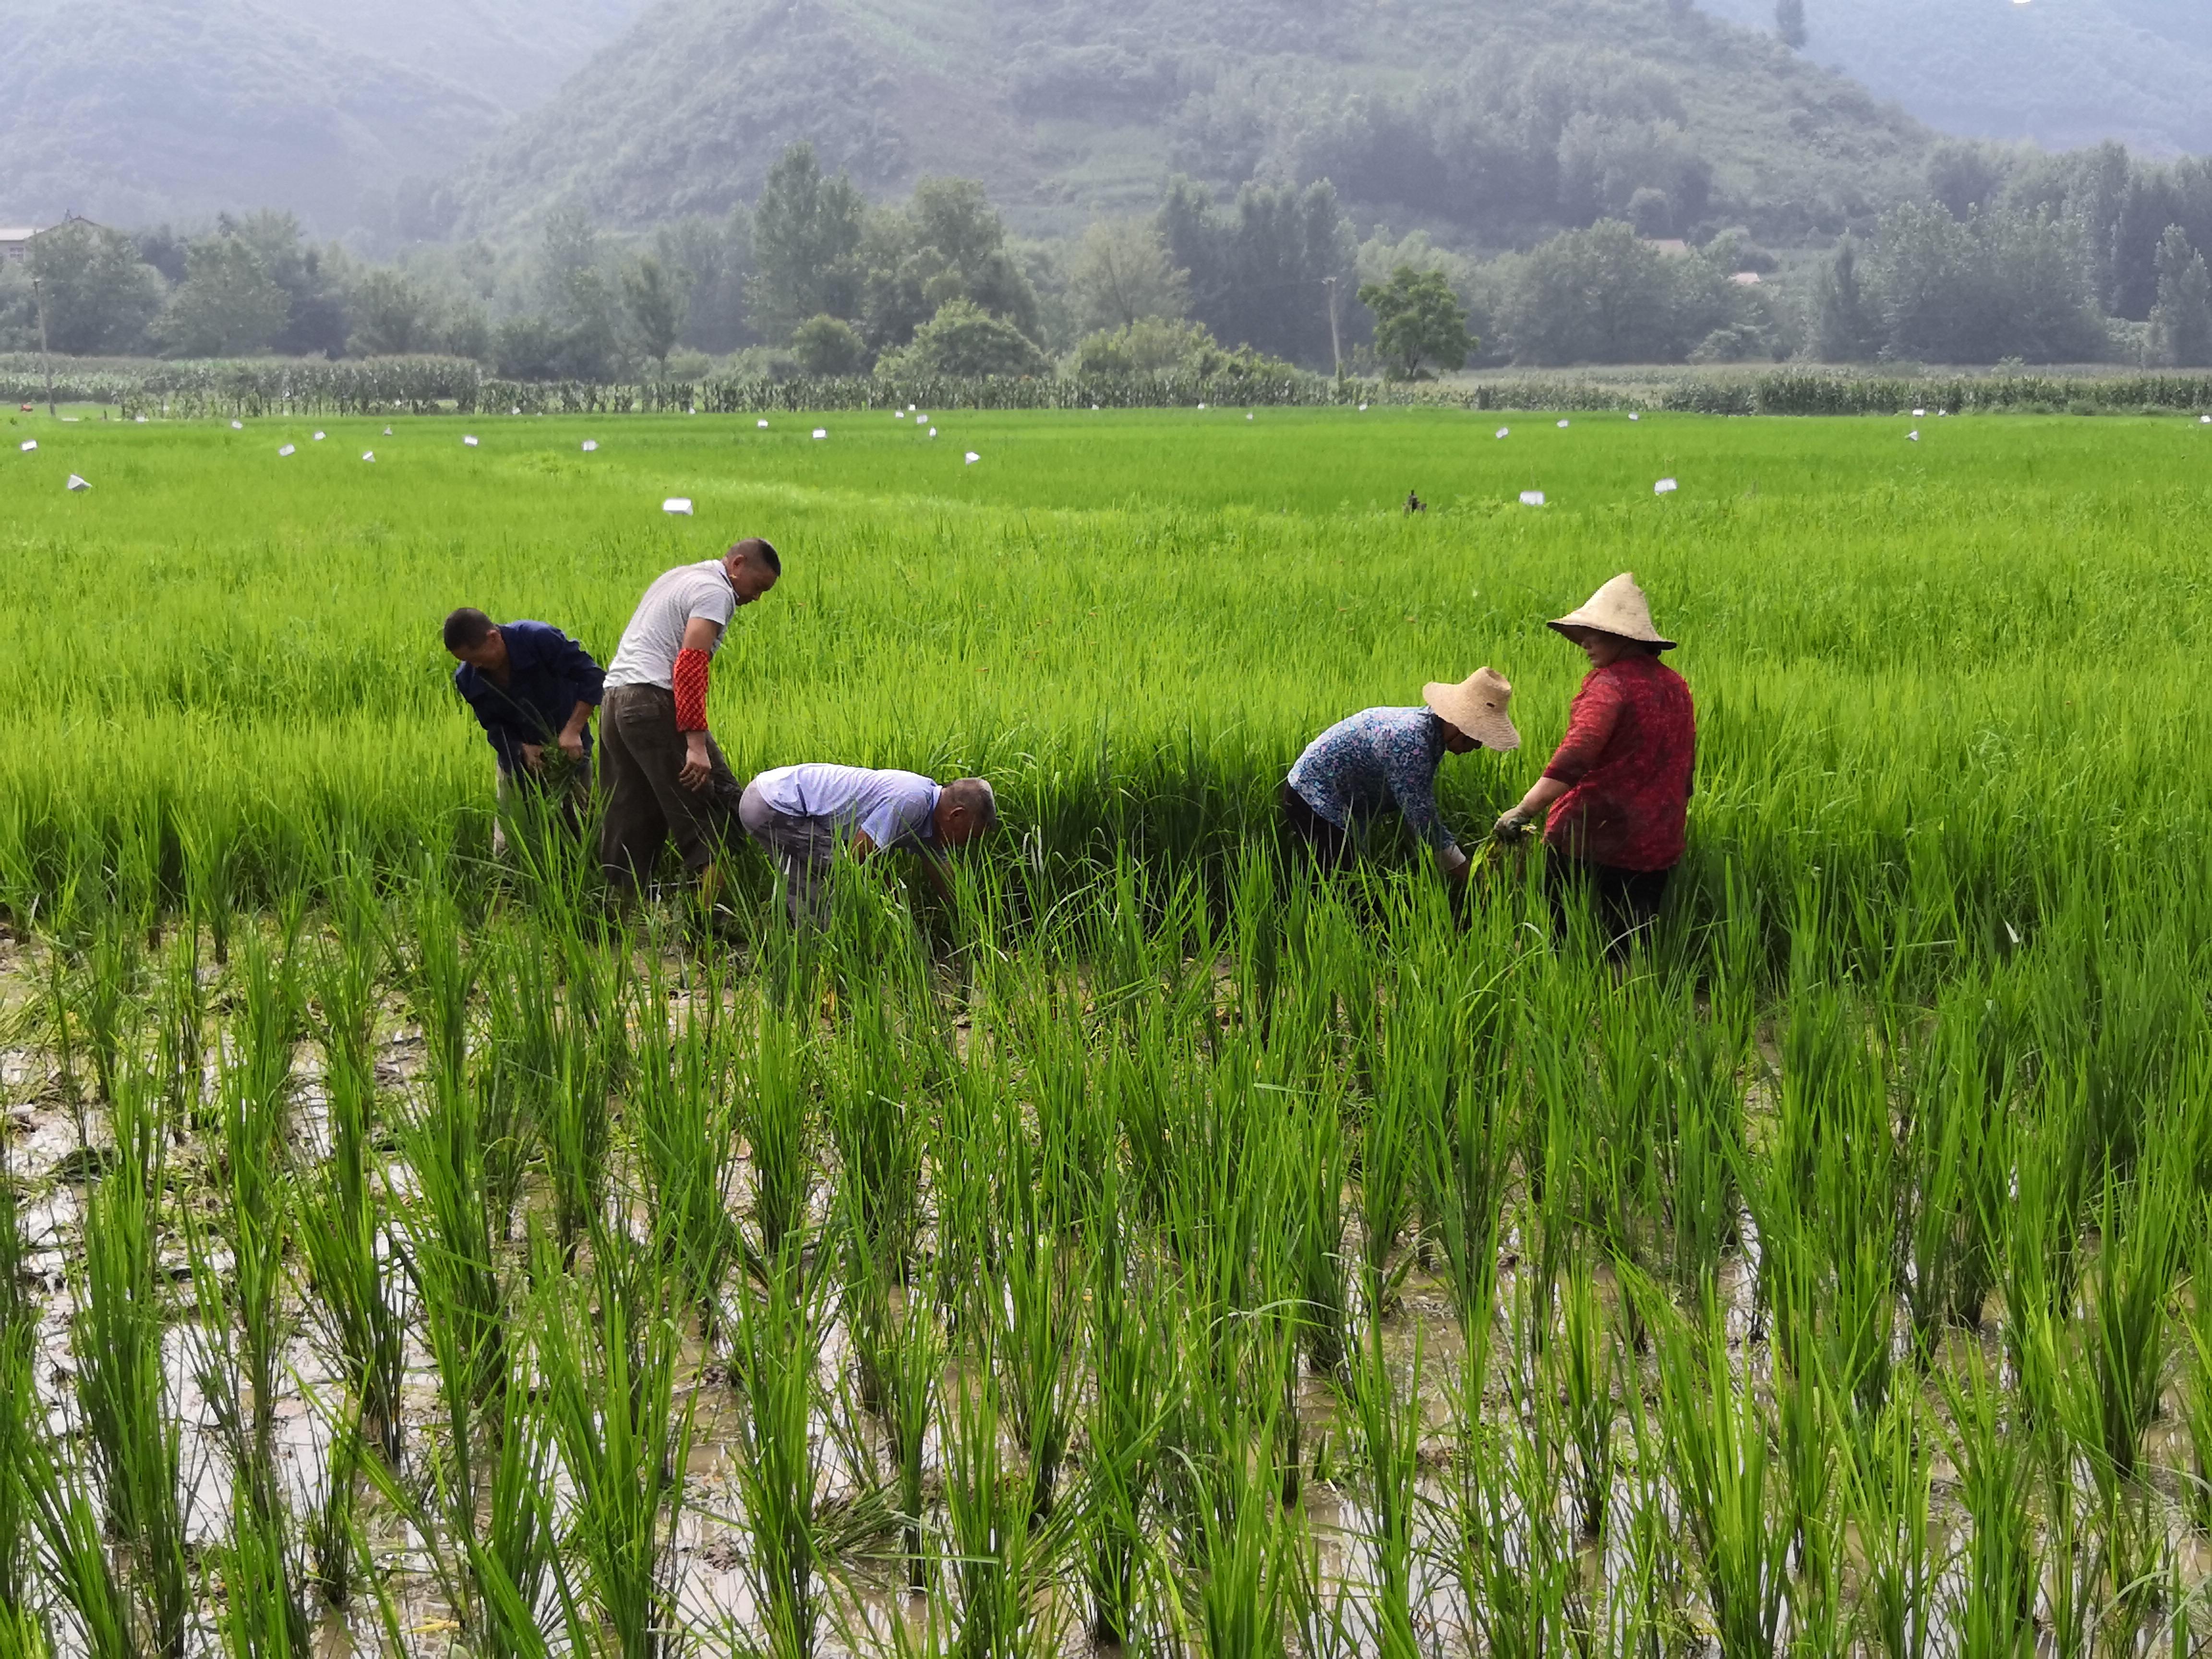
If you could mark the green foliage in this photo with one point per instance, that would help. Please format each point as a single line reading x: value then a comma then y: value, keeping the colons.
x: 1845, y: 328
x: 1606, y: 295
x: 99, y: 296
x: 1259, y: 274
x: 2005, y: 282
x: 964, y: 339
x: 947, y: 244
x: 389, y: 316
x: 806, y: 244
x: 1790, y: 23
x: 828, y: 345
x: 1121, y: 276
x: 229, y: 305
x: 1417, y: 318
x: 2181, y: 322
x: 656, y: 300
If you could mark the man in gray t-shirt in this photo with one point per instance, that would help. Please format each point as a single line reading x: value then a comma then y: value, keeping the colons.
x: 663, y: 775
x: 803, y: 814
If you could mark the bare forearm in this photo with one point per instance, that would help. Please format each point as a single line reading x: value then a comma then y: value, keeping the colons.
x: 579, y: 717
x: 1540, y: 797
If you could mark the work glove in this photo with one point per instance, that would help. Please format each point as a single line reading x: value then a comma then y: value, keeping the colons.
x: 1513, y: 825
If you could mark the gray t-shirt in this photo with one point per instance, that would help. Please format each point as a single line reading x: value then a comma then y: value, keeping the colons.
x: 646, y: 656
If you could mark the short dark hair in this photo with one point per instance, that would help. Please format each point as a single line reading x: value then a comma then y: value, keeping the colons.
x: 467, y: 629
x: 755, y: 547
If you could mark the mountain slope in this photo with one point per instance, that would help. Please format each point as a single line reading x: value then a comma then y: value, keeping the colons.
x: 1419, y: 108
x: 2060, y: 72
x: 130, y: 110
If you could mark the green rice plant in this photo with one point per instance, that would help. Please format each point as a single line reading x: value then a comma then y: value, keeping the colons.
x: 1645, y: 1601
x: 259, y: 1615
x: 345, y: 1241
x: 1512, y: 1563
x: 1465, y: 1150
x: 2130, y: 1280
x: 1587, y: 1361
x: 1385, y: 1417
x: 775, y: 1335
x: 1129, y: 1347
x: 1316, y: 1246
x: 1037, y: 1324
x: 181, y: 1055
x: 905, y: 1351
x: 105, y: 1000
x: 2196, y: 1319
x: 18, y: 1404
x: 994, y: 1552
x: 684, y: 1117
x: 1886, y: 1488
x: 878, y: 1146
x: 1409, y: 1068
x: 123, y: 1398
x: 1700, y: 1153
x: 72, y: 1557
x: 589, y: 1059
x: 330, y: 1529
x: 779, y: 1134
x: 623, y: 1442
x: 1992, y: 1610
x: 1718, y: 1442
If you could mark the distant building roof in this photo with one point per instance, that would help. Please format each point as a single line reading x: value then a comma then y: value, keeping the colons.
x: 20, y: 232
x: 1673, y: 246
x: 1745, y: 279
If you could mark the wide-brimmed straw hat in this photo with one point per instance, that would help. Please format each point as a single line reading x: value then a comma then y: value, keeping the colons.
x: 1477, y: 706
x: 1618, y: 607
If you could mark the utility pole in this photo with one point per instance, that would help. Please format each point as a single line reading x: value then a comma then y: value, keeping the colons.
x: 1335, y: 343
x: 45, y: 350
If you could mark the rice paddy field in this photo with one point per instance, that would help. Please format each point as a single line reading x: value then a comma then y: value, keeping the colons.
x: 1161, y: 1249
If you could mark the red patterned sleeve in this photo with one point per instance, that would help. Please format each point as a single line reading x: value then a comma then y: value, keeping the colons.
x: 1589, y: 728
x: 691, y: 671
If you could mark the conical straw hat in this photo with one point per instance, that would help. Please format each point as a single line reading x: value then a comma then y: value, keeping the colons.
x: 1477, y: 706
x: 1618, y: 607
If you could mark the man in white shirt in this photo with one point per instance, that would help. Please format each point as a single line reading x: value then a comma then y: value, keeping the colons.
x: 803, y: 814
x: 663, y: 775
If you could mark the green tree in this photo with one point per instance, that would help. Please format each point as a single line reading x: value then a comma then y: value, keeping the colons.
x: 2181, y: 321
x: 1790, y: 22
x: 806, y: 243
x: 229, y: 305
x: 391, y: 315
x: 100, y: 295
x: 1149, y: 345
x: 948, y: 243
x: 1844, y: 327
x: 1260, y: 274
x: 963, y: 338
x: 1417, y: 319
x: 656, y: 299
x: 2000, y: 284
x: 828, y: 345
x: 1600, y: 295
x: 1122, y: 274
x: 314, y: 281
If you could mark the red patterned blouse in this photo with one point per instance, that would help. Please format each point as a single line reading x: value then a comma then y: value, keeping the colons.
x: 1628, y: 757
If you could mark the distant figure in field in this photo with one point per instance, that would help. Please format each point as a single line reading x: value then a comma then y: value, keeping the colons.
x: 664, y: 775
x: 803, y: 815
x: 1415, y: 503
x: 533, y: 689
x: 1382, y: 757
x: 1617, y: 791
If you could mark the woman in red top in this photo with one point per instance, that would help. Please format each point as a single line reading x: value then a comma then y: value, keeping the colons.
x: 1618, y: 790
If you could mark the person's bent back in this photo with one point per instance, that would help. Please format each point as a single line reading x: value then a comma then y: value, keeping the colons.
x: 803, y: 814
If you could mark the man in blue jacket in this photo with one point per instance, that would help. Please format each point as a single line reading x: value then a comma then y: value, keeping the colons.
x: 533, y: 689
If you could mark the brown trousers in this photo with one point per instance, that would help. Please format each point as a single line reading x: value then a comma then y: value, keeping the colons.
x: 640, y: 753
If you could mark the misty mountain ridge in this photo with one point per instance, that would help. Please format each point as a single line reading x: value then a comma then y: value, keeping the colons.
x: 1488, y: 121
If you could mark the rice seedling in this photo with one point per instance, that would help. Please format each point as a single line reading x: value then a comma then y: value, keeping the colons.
x: 623, y: 1442
x: 2137, y: 1257
x: 1993, y: 1608
x: 124, y: 1397
x: 684, y: 1121
x: 1130, y: 1354
x: 1317, y: 1247
x: 1385, y: 1417
x: 1589, y: 1367
x: 779, y: 1134
x: 1886, y: 1485
x: 1722, y: 1458
x: 777, y: 1335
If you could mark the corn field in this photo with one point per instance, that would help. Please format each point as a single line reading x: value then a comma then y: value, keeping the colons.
x: 1161, y: 1246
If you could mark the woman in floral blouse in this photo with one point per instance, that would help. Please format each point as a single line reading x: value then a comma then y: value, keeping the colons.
x: 1616, y: 796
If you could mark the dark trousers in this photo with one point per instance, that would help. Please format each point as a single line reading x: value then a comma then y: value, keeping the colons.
x: 1329, y: 847
x: 1626, y: 900
x: 640, y: 753
x: 803, y: 849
